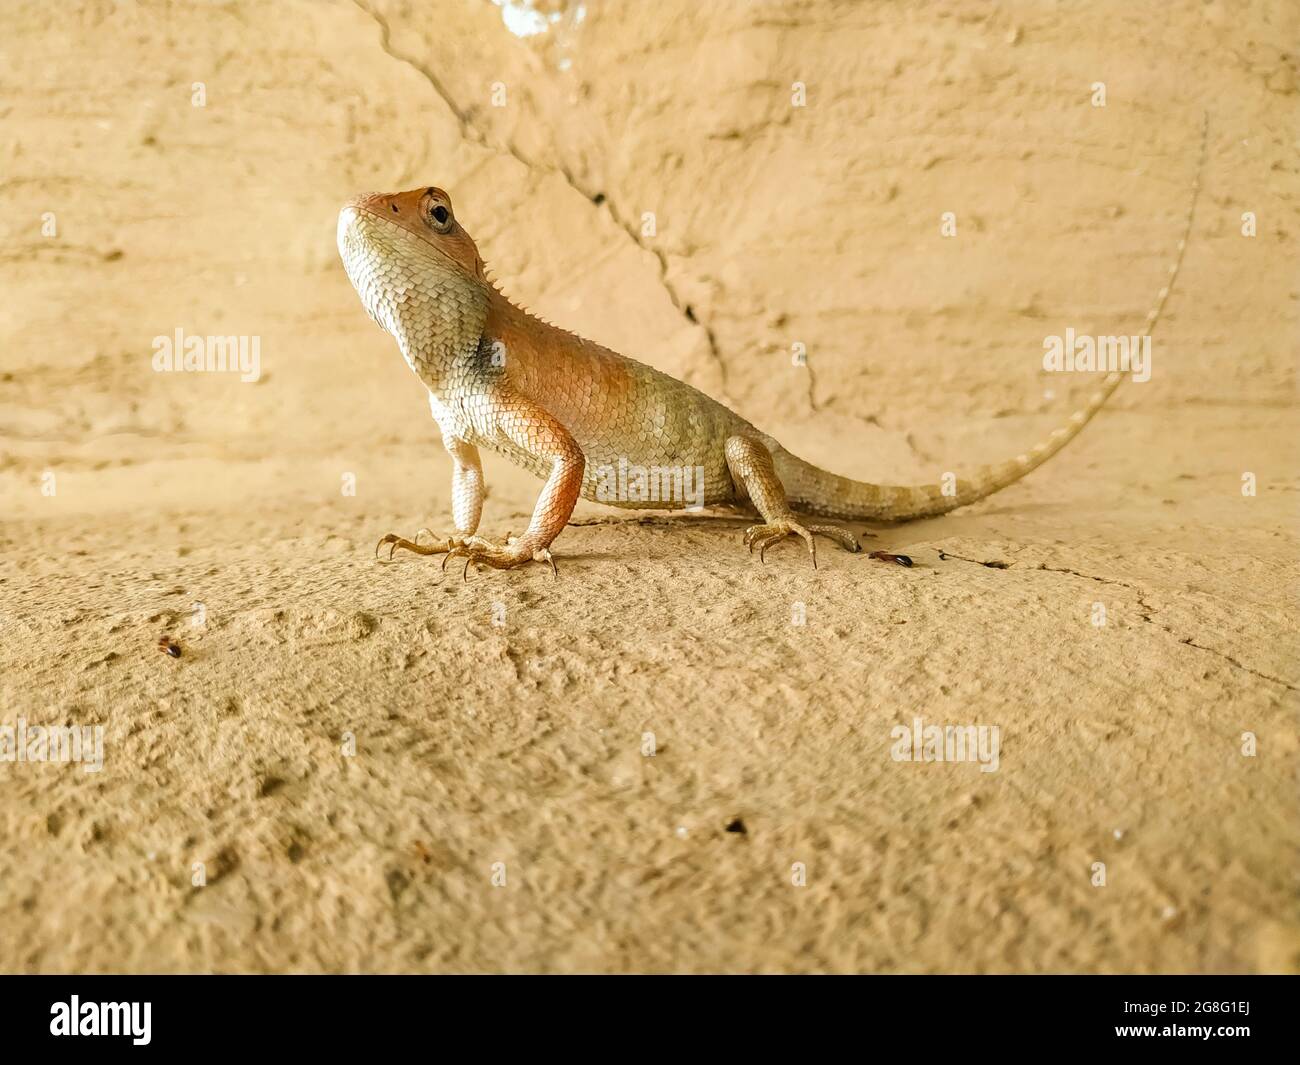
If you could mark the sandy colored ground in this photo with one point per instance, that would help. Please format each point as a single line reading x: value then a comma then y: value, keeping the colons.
x: 520, y: 743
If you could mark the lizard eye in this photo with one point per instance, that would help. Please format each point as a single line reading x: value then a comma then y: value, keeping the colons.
x: 440, y: 218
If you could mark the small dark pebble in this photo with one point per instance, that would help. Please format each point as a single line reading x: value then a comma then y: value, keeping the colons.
x: 738, y: 826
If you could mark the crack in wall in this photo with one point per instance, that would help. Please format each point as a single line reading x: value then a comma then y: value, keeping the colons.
x: 870, y: 421
x: 813, y: 405
x: 596, y: 198
x: 1145, y: 613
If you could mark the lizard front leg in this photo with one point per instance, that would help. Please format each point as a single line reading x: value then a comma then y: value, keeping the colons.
x: 531, y: 428
x: 466, y: 501
x: 751, y: 467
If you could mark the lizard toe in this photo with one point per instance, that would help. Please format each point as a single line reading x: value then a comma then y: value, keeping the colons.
x: 842, y: 537
x: 477, y: 551
x: 392, y: 541
x: 772, y: 533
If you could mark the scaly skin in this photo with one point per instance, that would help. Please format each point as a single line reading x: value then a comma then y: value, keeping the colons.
x: 570, y: 410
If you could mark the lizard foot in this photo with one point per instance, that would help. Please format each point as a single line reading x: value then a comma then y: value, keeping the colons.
x: 393, y: 542
x: 764, y: 536
x: 510, y: 554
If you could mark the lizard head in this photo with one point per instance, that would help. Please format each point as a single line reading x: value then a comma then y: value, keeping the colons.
x: 414, y: 267
x: 424, y: 214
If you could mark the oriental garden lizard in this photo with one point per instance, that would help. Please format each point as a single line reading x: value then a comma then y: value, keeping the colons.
x: 567, y: 409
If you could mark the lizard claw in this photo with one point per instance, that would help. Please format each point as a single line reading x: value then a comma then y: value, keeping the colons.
x: 511, y: 554
x: 544, y: 555
x: 765, y: 536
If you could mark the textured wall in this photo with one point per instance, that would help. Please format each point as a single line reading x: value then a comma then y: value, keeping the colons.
x: 775, y: 225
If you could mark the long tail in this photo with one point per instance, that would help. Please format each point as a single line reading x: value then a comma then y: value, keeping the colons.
x: 816, y: 491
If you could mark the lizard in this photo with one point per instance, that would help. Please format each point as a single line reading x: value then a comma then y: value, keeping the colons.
x: 564, y: 407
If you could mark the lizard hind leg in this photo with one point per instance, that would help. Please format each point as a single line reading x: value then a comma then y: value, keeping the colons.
x: 751, y: 468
